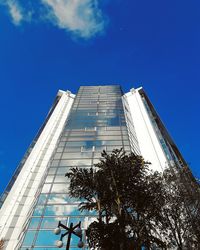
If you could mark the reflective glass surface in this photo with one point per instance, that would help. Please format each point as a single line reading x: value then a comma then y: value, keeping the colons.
x: 97, y: 122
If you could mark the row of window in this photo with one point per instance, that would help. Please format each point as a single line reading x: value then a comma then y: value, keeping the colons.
x: 97, y: 108
x: 100, y: 149
x: 79, y: 126
x: 99, y: 128
x: 52, y: 222
x: 98, y: 100
x: 46, y: 238
x: 61, y: 170
x: 61, y: 210
x: 95, y: 118
x: 93, y: 138
x: 93, y: 131
x: 90, y: 144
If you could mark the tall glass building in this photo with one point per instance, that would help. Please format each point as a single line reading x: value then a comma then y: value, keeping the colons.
x: 75, y: 132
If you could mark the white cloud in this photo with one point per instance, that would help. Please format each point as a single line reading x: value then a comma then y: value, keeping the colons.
x: 15, y: 11
x: 81, y: 17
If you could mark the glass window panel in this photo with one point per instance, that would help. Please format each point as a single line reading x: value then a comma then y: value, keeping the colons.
x: 95, y: 161
x: 100, y: 149
x: 42, y: 199
x: 125, y: 137
x: 126, y: 143
x: 49, y: 178
x: 127, y: 148
x: 90, y: 128
x: 111, y: 143
x: 111, y: 148
x: 61, y: 144
x: 52, y: 170
x: 49, y: 223
x: 38, y: 210
x: 75, y: 143
x: 108, y: 137
x: 74, y: 240
x: 63, y: 170
x: 113, y: 128
x: 61, y: 178
x: 77, y: 155
x: 72, y: 149
x: 86, y: 149
x: 82, y: 138
x: 76, y: 220
x: 54, y: 163
x: 89, y: 144
x: 60, y: 188
x: 75, y: 162
x: 59, y: 149
x: 66, y: 210
x: 28, y: 240
x: 97, y: 155
x: 61, y: 199
x: 46, y: 238
x: 109, y: 133
x: 124, y: 132
x: 46, y: 188
x: 101, y: 128
x: 57, y: 155
x: 34, y: 223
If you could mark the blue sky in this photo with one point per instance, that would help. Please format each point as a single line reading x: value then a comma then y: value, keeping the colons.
x: 46, y: 45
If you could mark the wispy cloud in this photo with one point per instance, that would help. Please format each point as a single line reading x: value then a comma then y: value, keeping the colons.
x: 15, y: 11
x: 82, y: 18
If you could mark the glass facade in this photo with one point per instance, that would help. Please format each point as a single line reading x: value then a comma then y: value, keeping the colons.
x: 97, y: 122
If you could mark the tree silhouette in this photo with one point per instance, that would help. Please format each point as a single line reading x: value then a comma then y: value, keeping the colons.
x: 136, y: 207
x: 181, y: 209
x: 126, y: 197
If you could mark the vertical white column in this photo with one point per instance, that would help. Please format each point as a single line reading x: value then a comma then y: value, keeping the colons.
x: 22, y: 195
x: 149, y: 144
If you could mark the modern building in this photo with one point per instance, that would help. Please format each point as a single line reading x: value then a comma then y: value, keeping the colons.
x: 77, y: 129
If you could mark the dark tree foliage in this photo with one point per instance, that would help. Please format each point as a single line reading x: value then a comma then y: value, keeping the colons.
x: 126, y: 197
x: 181, y: 210
x: 136, y: 207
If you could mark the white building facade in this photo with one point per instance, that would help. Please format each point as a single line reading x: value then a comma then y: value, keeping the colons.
x: 75, y: 132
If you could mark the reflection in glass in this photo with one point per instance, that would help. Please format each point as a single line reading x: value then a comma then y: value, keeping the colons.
x: 34, y: 223
x: 52, y: 171
x: 53, y: 222
x: 74, y: 240
x: 28, y: 240
x: 49, y: 178
x: 63, y: 170
x: 75, y: 162
x: 59, y: 188
x: 46, y: 188
x: 38, y: 210
x: 65, y: 210
x: 61, y: 199
x: 80, y: 145
x: 61, y: 178
x: 46, y: 238
x: 42, y: 199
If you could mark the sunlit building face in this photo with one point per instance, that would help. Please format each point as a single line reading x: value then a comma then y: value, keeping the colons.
x: 76, y: 131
